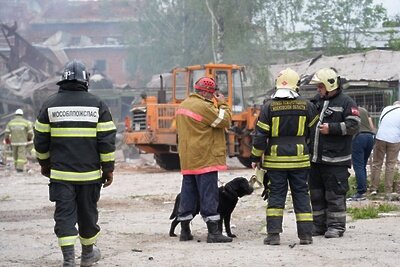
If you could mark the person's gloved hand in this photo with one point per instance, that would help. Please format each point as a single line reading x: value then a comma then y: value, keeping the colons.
x: 45, y: 171
x: 265, y: 192
x: 107, y: 178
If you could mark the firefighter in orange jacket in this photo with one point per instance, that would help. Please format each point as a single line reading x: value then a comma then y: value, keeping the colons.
x: 202, y: 152
x: 282, y: 130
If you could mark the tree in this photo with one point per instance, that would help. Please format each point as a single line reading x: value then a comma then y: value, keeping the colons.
x: 338, y: 25
x: 168, y: 33
x: 172, y: 33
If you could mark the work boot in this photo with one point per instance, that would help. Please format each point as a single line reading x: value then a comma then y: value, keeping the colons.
x: 186, y: 234
x: 306, y: 240
x: 90, y: 255
x: 272, y: 239
x: 214, y: 235
x: 68, y: 255
x: 333, y: 233
x: 316, y: 231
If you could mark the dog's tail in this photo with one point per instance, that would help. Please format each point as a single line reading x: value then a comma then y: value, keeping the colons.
x: 174, y: 213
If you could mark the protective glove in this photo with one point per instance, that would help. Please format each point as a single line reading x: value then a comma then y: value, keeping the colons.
x: 107, y: 178
x: 265, y: 192
x: 45, y: 171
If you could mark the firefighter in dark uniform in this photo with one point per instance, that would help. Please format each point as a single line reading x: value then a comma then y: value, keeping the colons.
x: 75, y: 145
x: 331, y: 154
x: 282, y: 132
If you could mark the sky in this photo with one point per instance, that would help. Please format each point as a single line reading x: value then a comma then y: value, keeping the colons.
x: 392, y: 6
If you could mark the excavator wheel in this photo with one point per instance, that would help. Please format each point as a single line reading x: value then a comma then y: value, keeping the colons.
x: 168, y: 161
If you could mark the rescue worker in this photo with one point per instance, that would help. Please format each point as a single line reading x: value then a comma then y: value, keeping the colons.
x: 280, y: 141
x: 75, y: 145
x: 202, y: 152
x: 331, y: 153
x: 18, y: 134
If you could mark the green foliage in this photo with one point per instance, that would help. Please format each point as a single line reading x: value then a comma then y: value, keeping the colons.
x: 352, y: 186
x: 170, y: 33
x: 371, y: 211
x: 395, y: 22
x: 337, y: 25
x: 394, y: 44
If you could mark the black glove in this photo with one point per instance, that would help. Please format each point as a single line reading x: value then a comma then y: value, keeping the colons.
x: 107, y: 178
x: 265, y: 192
x: 45, y: 170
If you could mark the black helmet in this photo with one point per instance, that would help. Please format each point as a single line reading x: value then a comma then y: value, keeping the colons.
x: 75, y: 71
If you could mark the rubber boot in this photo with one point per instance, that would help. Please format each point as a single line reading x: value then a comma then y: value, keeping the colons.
x: 214, y: 235
x: 333, y: 233
x: 272, y: 239
x: 68, y: 255
x: 305, y: 240
x: 90, y: 255
x: 186, y: 234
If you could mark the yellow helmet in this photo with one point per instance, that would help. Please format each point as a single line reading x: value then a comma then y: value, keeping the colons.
x: 287, y: 79
x: 328, y: 77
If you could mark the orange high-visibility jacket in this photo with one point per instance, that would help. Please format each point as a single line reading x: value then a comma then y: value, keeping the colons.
x: 201, y: 134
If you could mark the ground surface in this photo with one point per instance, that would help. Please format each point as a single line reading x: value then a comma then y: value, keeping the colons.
x: 134, y: 217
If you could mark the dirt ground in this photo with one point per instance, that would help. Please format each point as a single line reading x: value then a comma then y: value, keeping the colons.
x: 134, y: 217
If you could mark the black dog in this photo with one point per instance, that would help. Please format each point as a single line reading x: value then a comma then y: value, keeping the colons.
x: 228, y: 198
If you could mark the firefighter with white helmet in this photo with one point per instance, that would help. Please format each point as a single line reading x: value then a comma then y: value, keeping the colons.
x: 331, y: 153
x: 280, y: 147
x: 18, y: 134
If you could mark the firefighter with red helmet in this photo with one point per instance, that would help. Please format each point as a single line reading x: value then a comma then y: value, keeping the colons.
x: 75, y: 147
x: 202, y: 151
x: 280, y: 142
x: 331, y: 153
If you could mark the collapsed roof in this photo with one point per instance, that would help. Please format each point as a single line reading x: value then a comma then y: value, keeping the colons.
x: 374, y: 65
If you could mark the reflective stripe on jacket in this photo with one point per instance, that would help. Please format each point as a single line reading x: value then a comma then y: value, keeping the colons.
x: 342, y: 115
x: 75, y: 135
x: 201, y: 135
x: 20, y: 130
x: 282, y: 130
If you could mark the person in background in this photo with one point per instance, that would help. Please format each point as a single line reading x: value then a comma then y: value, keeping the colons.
x: 282, y: 132
x: 75, y: 146
x: 202, y: 151
x: 362, y: 145
x: 18, y: 134
x: 331, y: 153
x: 387, y: 146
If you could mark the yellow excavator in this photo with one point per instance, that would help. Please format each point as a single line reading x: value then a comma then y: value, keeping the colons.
x: 151, y: 127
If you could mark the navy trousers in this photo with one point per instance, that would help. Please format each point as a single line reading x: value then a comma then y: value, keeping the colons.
x: 202, y: 189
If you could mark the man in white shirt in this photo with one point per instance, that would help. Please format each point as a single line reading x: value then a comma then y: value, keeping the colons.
x: 387, y: 143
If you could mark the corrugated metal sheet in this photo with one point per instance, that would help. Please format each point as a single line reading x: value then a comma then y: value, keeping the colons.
x: 374, y: 65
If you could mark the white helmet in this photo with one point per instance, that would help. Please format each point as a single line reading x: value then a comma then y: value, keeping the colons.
x: 19, y: 112
x: 328, y: 77
x: 287, y: 84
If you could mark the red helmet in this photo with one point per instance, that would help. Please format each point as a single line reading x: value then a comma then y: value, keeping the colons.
x: 206, y: 84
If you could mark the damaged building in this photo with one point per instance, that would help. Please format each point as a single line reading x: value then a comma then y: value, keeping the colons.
x: 38, y: 37
x: 370, y: 78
